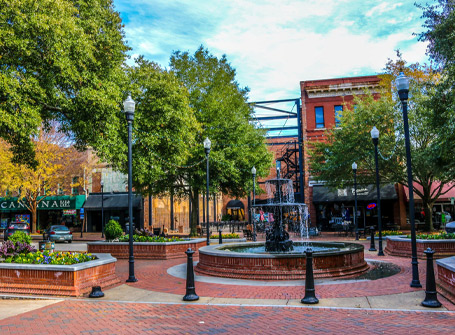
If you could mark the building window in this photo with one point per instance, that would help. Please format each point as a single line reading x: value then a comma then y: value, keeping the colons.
x: 74, y: 189
x: 319, y: 111
x: 338, y: 114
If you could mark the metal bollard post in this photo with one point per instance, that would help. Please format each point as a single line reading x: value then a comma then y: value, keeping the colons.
x: 310, y: 297
x: 220, y: 238
x: 372, y: 246
x: 431, y: 299
x: 190, y: 294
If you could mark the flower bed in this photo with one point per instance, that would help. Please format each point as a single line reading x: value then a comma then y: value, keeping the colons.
x: 60, y: 280
x: 225, y: 236
x: 147, y: 250
x: 401, y: 247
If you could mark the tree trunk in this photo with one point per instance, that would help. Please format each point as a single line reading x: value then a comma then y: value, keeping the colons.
x: 33, y: 211
x: 194, y: 195
x: 428, y: 216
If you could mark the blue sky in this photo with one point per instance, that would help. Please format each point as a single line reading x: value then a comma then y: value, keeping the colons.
x: 273, y: 45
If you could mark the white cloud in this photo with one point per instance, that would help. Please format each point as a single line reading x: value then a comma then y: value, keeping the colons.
x: 275, y: 45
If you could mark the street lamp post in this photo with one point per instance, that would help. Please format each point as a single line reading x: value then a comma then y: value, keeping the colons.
x: 128, y: 106
x: 102, y: 209
x: 207, y: 145
x: 253, y: 172
x: 402, y: 84
x: 356, y: 224
x: 375, y: 137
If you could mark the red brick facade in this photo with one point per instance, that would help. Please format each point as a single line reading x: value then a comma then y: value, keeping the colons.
x: 169, y: 250
x: 42, y: 281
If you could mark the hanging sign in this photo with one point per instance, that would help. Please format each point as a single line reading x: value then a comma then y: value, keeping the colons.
x: 371, y: 206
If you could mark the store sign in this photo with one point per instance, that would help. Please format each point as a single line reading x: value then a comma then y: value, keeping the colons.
x: 371, y: 206
x: 360, y: 191
x: 69, y: 212
x: 13, y: 204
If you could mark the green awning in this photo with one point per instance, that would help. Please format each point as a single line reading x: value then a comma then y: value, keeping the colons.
x: 11, y: 204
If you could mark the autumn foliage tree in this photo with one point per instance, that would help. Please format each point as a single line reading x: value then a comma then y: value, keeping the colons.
x: 57, y: 163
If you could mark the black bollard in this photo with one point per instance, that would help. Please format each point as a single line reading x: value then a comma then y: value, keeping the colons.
x: 310, y: 297
x: 372, y: 246
x: 190, y: 294
x: 96, y: 292
x: 431, y: 299
x: 220, y: 238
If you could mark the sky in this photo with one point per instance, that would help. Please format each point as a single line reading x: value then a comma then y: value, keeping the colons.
x: 273, y: 45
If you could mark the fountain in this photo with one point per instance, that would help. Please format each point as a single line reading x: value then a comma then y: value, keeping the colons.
x: 280, y: 257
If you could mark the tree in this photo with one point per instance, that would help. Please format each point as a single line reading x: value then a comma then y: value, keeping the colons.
x: 60, y: 60
x: 57, y: 164
x: 164, y: 128
x: 220, y: 105
x: 431, y: 161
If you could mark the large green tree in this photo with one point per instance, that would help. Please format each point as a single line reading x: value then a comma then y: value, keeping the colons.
x: 431, y: 161
x: 60, y: 60
x: 221, y: 107
x: 164, y: 129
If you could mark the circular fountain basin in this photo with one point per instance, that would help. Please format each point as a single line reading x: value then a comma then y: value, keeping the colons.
x: 249, y: 261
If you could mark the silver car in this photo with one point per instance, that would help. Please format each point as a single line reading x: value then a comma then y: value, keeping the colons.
x: 59, y: 234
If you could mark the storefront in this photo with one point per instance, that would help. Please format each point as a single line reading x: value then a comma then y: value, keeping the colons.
x: 52, y: 210
x: 115, y: 206
x: 338, y: 205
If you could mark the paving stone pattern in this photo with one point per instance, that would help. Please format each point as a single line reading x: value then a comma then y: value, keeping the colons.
x: 82, y: 317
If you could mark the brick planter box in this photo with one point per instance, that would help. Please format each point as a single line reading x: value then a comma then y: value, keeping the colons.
x: 147, y: 250
x: 58, y: 280
x: 401, y: 247
x: 446, y: 278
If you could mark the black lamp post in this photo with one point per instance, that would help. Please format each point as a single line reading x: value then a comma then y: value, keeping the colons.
x: 102, y: 209
x: 402, y: 83
x: 128, y: 106
x: 356, y: 224
x: 207, y: 145
x: 253, y: 172
x: 375, y: 137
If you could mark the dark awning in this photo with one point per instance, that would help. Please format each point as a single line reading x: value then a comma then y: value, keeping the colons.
x: 364, y: 193
x: 112, y: 201
x: 235, y: 204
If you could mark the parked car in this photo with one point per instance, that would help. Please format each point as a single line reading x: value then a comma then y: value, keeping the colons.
x: 450, y: 227
x: 14, y: 227
x: 59, y: 234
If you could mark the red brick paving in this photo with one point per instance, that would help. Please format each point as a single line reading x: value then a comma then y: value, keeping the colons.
x: 82, y: 317
x: 153, y: 276
x: 102, y: 317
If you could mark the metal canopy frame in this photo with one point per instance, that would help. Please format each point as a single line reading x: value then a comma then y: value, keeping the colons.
x: 282, y: 114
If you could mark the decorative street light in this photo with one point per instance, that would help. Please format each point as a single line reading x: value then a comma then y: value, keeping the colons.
x: 128, y: 107
x: 375, y: 137
x: 402, y: 84
x: 102, y: 209
x: 356, y: 225
x: 253, y: 172
x: 207, y: 145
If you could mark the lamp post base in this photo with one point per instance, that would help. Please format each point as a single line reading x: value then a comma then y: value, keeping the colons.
x: 415, y: 283
x: 131, y: 279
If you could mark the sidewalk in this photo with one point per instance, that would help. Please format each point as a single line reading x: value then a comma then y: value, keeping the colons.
x: 154, y: 304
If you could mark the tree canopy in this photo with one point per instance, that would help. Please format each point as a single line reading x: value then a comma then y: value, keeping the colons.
x: 60, y: 60
x: 221, y: 107
x: 431, y: 161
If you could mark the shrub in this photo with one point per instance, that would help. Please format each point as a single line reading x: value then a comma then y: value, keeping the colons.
x: 20, y: 236
x: 435, y: 236
x: 225, y: 236
x: 113, y: 230
x: 390, y: 233
x: 138, y: 238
